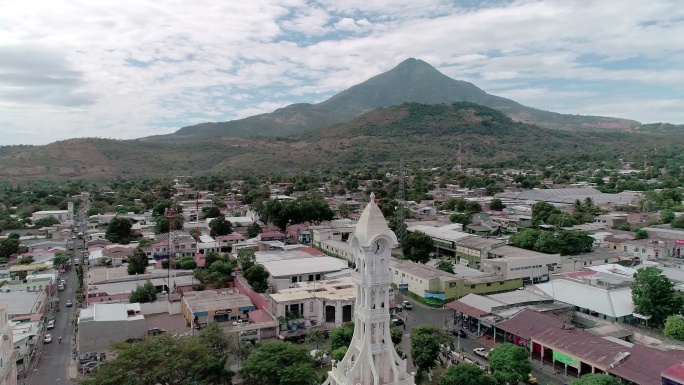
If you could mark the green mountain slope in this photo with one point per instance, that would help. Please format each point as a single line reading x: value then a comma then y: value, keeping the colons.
x: 410, y: 81
x: 424, y: 135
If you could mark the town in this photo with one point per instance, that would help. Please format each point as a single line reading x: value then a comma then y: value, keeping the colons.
x: 574, y: 281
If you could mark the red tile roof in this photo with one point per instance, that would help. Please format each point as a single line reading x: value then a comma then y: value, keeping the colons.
x: 312, y: 251
x: 258, y: 316
x: 231, y: 237
x: 675, y: 373
x: 466, y: 309
x: 645, y: 365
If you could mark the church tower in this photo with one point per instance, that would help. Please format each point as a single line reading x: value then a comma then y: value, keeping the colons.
x: 371, y: 358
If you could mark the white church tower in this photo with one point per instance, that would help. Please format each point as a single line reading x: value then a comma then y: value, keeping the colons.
x: 371, y: 358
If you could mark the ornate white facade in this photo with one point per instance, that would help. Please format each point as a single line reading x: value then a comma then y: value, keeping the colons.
x: 8, y: 357
x: 371, y: 358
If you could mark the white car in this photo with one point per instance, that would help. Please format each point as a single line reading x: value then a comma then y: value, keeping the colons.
x: 47, y: 339
x: 406, y: 305
x: 51, y: 325
x: 482, y: 352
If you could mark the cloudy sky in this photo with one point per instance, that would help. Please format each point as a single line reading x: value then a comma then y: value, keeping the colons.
x: 127, y: 69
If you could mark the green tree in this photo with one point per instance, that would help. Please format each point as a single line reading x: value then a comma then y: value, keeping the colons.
x: 561, y: 220
x: 417, y: 247
x: 257, y: 277
x: 541, y: 212
x: 425, y: 345
x: 137, y: 262
x: 119, y: 230
x: 641, y: 234
x: 344, y: 210
x: 496, y: 205
x: 667, y: 216
x: 279, y: 363
x: 463, y: 218
x: 445, y: 265
x: 253, y: 230
x: 510, y: 363
x: 143, y: 294
x: 338, y: 354
x: 211, y: 212
x: 596, y: 379
x: 396, y: 334
x: 220, y: 226
x: 466, y: 374
x: 678, y: 222
x: 674, y: 327
x: 525, y: 238
x: 163, y: 359
x: 45, y: 222
x: 654, y: 294
x: 62, y: 258
x: 341, y: 336
x: 9, y: 247
x: 246, y: 258
x: 315, y: 336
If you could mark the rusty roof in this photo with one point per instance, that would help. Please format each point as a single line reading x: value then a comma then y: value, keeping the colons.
x: 529, y: 323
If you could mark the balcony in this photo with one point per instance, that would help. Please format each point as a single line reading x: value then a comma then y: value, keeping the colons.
x: 380, y: 279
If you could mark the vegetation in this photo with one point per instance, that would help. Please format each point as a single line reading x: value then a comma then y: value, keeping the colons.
x: 309, y: 208
x: 62, y: 259
x: 674, y: 327
x: 315, y: 336
x: 466, y: 374
x: 220, y: 226
x: 246, y: 258
x: 558, y: 242
x: 9, y: 246
x: 45, y: 222
x: 119, y: 230
x: 654, y: 295
x: 253, y: 230
x: 145, y: 293
x: 425, y: 345
x: 596, y: 379
x: 445, y: 265
x: 257, y: 277
x: 137, y: 262
x: 510, y: 363
x: 417, y: 246
x: 189, y: 359
x: 496, y: 205
x: 211, y: 212
x: 280, y: 363
x: 341, y: 337
x: 462, y: 218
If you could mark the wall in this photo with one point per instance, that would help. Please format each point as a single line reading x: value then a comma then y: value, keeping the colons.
x: 492, y: 288
x: 416, y: 285
x: 257, y: 299
x: 98, y: 336
x: 157, y: 307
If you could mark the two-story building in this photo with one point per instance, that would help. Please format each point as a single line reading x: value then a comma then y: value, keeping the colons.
x: 470, y: 251
x: 8, y: 355
x: 512, y: 262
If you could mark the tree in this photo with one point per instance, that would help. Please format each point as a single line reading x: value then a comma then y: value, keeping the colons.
x: 510, y: 363
x: 417, y: 247
x: 315, y: 336
x: 9, y: 247
x: 678, y: 222
x: 396, y: 334
x: 667, y: 216
x: 119, y: 230
x: 641, y: 234
x: 341, y: 336
x: 496, y: 205
x: 561, y: 220
x: 161, y: 224
x: 279, y: 363
x: 253, y: 230
x: 464, y: 219
x: 143, y: 294
x: 541, y: 212
x: 674, y: 327
x: 62, y: 258
x: 220, y: 226
x: 257, y: 277
x: 654, y: 294
x: 246, y: 258
x: 344, y: 210
x: 466, y: 374
x: 445, y: 265
x: 425, y: 345
x: 596, y: 379
x: 338, y: 354
x: 163, y: 359
x: 137, y: 262
x: 211, y: 212
x: 45, y: 222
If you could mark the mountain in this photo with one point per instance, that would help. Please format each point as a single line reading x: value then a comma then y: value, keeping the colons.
x: 411, y: 81
x: 424, y: 135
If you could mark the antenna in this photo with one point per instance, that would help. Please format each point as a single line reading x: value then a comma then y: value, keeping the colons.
x: 170, y: 214
x: 197, y: 230
x: 400, y: 230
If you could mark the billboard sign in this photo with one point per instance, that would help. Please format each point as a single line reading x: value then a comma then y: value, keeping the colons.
x: 565, y: 359
x: 403, y: 287
x: 680, y: 241
x: 220, y: 312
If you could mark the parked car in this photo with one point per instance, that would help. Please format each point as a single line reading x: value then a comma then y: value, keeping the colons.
x: 296, y: 336
x: 459, y: 332
x: 397, y: 321
x: 155, y: 331
x: 69, y: 303
x: 482, y: 352
x: 47, y: 339
x: 50, y: 325
x: 406, y: 305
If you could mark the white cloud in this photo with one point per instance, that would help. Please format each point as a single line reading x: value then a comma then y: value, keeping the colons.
x: 120, y: 69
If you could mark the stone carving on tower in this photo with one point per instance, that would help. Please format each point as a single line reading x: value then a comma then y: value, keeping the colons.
x: 371, y: 358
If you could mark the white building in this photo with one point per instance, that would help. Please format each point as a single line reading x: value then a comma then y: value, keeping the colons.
x: 102, y: 324
x: 8, y: 355
x: 512, y: 262
x: 303, y: 264
x: 328, y: 301
x: 371, y: 357
x: 61, y: 215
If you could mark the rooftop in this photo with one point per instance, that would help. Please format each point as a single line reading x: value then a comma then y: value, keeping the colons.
x: 200, y: 301
x: 333, y: 290
x: 449, y: 233
x: 614, y: 302
x: 476, y: 242
x: 504, y: 252
x: 20, y: 302
x: 105, y: 312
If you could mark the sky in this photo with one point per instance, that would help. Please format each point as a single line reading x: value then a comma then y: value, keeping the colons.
x: 128, y: 69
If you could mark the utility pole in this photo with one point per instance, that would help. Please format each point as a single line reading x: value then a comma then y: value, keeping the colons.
x: 401, y: 198
x: 170, y: 214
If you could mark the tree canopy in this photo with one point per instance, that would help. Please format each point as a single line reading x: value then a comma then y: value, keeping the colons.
x: 596, y: 379
x: 341, y: 336
x: 553, y: 242
x: 445, y: 265
x: 257, y: 277
x: 211, y: 212
x: 674, y: 327
x: 220, y: 226
x: 466, y: 374
x: 144, y: 293
x: 253, y: 230
x: 45, y: 222
x: 119, y: 230
x: 425, y: 345
x: 137, y: 262
x: 541, y: 212
x: 280, y: 363
x: 417, y: 246
x: 654, y: 294
x: 496, y: 205
x: 246, y: 258
x: 510, y: 363
x: 307, y: 208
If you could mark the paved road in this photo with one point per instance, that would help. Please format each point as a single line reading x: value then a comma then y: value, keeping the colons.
x: 54, y: 360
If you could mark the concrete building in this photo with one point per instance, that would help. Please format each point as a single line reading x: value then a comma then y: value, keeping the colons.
x: 318, y: 302
x: 337, y: 248
x: 61, y: 215
x: 288, y: 267
x: 470, y: 251
x: 371, y: 357
x: 8, y: 355
x: 225, y: 306
x: 444, y: 238
x: 102, y: 324
x: 512, y: 262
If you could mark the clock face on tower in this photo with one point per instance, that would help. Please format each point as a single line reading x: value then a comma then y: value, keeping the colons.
x: 378, y: 247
